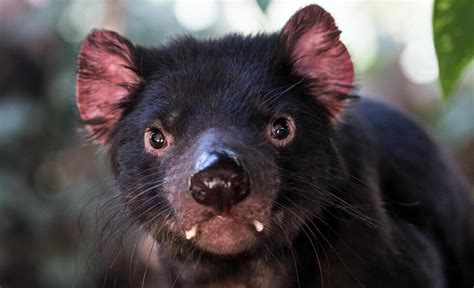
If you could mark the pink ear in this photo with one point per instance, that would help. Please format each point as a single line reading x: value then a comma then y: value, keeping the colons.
x: 311, y: 39
x: 106, y: 76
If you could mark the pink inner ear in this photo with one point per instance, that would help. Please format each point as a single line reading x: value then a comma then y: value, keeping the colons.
x: 312, y: 39
x: 105, y: 77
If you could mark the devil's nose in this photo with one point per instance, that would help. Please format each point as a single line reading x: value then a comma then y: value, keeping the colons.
x: 220, y: 181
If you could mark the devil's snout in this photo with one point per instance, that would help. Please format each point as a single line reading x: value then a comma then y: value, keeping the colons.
x: 220, y: 181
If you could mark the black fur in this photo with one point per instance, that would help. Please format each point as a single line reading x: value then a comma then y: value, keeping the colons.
x: 366, y: 200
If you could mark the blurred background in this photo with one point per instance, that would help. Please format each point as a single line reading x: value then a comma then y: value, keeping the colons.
x: 58, y: 221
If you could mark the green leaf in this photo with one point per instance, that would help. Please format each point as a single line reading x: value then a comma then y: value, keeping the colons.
x: 263, y: 4
x: 453, y: 28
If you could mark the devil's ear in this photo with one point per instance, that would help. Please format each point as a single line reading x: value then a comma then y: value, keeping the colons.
x: 106, y: 77
x: 310, y: 40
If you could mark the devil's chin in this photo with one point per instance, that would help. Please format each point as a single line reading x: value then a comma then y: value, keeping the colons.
x: 224, y: 236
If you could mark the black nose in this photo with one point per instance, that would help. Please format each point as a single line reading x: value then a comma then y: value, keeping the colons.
x: 220, y: 181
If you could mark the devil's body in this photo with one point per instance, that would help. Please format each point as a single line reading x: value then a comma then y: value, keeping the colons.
x: 251, y: 165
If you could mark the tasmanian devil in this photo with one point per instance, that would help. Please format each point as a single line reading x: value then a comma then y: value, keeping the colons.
x: 251, y: 164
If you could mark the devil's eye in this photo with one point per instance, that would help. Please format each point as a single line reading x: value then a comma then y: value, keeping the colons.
x: 157, y: 139
x: 280, y: 129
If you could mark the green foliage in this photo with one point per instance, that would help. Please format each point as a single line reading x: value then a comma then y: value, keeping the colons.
x: 263, y: 4
x: 453, y: 28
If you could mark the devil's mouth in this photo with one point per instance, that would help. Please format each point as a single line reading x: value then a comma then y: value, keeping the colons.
x: 225, y: 234
x: 191, y: 233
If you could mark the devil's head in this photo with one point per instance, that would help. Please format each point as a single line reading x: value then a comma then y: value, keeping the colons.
x: 223, y: 145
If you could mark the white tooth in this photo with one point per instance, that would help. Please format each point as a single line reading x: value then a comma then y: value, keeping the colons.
x: 258, y: 225
x: 191, y: 233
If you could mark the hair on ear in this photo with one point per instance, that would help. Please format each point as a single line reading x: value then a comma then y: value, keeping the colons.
x: 310, y: 40
x: 106, y: 76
